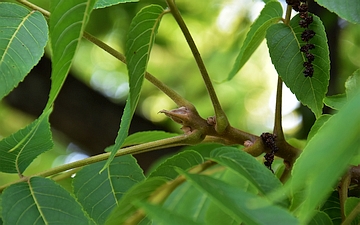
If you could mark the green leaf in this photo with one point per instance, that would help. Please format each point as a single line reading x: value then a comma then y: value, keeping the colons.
x: 332, y: 208
x: 215, y: 215
x: 318, y: 123
x: 246, y: 166
x: 351, y: 204
x: 321, y: 218
x: 284, y: 44
x: 19, y: 149
x: 242, y: 206
x: 141, y: 37
x: 67, y: 23
x: 270, y: 14
x: 107, y: 3
x: 99, y: 192
x: 41, y: 201
x: 335, y: 143
x: 147, y: 136
x: 335, y: 101
x: 188, y: 201
x: 183, y: 160
x: 346, y: 9
x: 23, y: 36
x: 163, y: 216
x: 203, y: 149
x: 352, y: 84
x: 126, y: 207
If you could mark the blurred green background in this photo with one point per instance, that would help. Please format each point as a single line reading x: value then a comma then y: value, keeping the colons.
x: 218, y: 27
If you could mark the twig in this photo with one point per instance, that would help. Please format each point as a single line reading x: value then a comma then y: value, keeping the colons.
x: 221, y: 120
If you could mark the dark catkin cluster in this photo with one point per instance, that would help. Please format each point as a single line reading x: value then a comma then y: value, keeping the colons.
x: 301, y: 6
x: 269, y: 141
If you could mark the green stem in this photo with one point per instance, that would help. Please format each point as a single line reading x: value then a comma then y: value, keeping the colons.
x: 278, y: 130
x: 150, y: 146
x: 354, y: 213
x: 221, y: 119
x: 343, y: 192
x: 178, y: 99
x: 35, y: 7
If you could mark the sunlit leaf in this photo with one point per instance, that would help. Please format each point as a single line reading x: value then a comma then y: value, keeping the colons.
x: 67, y: 23
x: 107, y: 3
x: 142, y: 31
x: 164, y: 216
x: 242, y: 206
x: 351, y: 204
x: 23, y: 36
x: 19, y: 149
x: 183, y: 160
x: 347, y: 9
x: 41, y: 201
x: 147, y: 136
x: 99, y: 192
x: 246, y: 166
x: 327, y: 148
x: 321, y: 218
x: 126, y: 207
x: 271, y: 14
x: 284, y: 44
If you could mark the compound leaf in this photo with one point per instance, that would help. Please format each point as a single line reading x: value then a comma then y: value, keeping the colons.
x: 23, y: 36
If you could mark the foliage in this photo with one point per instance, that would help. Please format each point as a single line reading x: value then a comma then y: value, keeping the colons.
x: 204, y: 184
